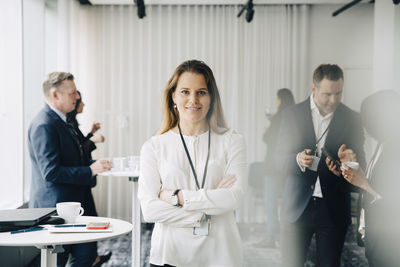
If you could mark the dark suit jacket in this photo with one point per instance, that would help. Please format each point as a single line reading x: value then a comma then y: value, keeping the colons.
x: 297, y: 134
x: 58, y: 172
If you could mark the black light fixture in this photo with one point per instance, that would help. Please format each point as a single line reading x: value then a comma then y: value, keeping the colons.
x: 354, y: 2
x: 249, y: 7
x: 345, y: 7
x: 84, y: 2
x: 141, y: 9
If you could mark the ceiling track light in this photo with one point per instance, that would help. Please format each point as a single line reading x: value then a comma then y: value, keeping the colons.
x: 249, y: 8
x: 354, y: 2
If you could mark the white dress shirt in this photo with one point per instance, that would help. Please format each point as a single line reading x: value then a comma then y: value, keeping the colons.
x: 164, y: 165
x: 320, y: 124
x: 59, y: 113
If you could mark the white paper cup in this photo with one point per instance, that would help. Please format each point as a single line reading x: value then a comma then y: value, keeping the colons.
x: 134, y: 163
x: 119, y: 164
x: 352, y: 164
x: 69, y: 211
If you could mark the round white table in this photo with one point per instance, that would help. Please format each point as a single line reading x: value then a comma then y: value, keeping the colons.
x: 50, y: 243
x: 136, y: 218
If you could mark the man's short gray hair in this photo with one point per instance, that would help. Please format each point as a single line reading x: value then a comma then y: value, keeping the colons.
x: 54, y: 79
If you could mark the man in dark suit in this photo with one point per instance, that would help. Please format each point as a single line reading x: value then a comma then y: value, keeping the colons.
x: 315, y: 200
x: 60, y: 170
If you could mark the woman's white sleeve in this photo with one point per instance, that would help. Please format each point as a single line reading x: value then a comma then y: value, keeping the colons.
x: 154, y: 209
x: 219, y: 201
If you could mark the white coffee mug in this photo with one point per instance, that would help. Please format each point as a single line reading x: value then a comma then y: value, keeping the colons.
x: 69, y: 211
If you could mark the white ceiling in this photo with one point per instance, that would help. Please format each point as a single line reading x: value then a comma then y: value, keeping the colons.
x: 217, y: 2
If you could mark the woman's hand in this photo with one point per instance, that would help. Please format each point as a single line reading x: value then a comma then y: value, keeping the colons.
x: 165, y: 195
x: 228, y: 181
x: 358, y: 178
x: 355, y: 177
x: 95, y: 127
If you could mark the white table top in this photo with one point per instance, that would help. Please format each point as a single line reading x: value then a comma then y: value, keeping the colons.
x: 44, y: 238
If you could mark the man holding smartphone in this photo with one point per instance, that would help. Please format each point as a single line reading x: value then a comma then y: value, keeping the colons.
x: 315, y: 200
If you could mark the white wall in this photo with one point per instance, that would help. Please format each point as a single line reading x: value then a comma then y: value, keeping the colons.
x: 33, y: 73
x: 11, y: 106
x: 346, y: 40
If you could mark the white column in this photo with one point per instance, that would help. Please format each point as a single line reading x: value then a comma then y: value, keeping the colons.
x: 11, y: 108
x: 397, y: 49
x: 63, y: 35
x: 384, y: 45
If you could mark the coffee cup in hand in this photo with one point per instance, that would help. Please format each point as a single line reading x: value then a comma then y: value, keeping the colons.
x: 69, y: 211
x: 351, y: 164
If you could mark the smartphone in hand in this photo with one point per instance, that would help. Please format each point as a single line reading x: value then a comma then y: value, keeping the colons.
x: 333, y: 158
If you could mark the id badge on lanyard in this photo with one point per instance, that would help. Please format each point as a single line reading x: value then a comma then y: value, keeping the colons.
x: 204, y: 227
x: 205, y: 224
x: 315, y: 163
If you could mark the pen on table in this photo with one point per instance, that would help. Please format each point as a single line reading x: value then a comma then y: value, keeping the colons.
x: 70, y: 225
x: 28, y: 230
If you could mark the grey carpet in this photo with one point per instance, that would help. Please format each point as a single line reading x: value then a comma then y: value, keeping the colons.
x: 121, y: 248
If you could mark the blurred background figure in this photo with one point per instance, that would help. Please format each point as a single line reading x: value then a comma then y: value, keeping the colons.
x: 380, y: 181
x: 273, y: 182
x: 61, y: 172
x: 88, y: 145
x: 88, y: 141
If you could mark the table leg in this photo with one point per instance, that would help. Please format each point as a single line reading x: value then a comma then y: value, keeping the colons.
x: 48, y: 255
x: 136, y: 235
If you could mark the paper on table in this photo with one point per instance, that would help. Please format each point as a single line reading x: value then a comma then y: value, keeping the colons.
x: 53, y: 229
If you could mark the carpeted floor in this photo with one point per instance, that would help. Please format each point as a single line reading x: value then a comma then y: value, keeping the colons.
x: 254, y: 257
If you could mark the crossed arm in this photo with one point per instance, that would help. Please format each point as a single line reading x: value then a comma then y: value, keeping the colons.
x: 155, y: 201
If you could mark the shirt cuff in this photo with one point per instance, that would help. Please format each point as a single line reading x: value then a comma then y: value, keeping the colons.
x: 302, y: 168
x: 191, y: 199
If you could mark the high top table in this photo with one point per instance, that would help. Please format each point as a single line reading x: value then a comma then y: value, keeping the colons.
x: 136, y: 219
x: 51, y: 243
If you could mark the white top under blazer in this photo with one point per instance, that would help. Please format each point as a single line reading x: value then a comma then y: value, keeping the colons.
x: 164, y: 165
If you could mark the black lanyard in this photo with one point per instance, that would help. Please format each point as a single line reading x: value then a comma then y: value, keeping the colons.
x: 320, y: 138
x: 190, y: 160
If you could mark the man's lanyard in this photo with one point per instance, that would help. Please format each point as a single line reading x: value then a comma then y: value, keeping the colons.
x: 320, y: 138
x: 190, y: 160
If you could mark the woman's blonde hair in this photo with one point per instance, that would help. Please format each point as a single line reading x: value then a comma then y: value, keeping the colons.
x: 170, y: 115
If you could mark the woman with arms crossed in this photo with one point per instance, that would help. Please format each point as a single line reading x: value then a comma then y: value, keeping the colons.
x: 193, y: 175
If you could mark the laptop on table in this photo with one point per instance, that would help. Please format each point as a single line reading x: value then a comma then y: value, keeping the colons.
x: 14, y: 219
